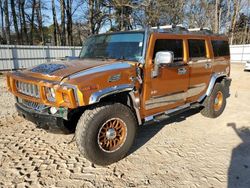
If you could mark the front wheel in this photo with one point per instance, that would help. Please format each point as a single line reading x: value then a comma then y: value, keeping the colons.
x: 215, y: 104
x: 105, y: 133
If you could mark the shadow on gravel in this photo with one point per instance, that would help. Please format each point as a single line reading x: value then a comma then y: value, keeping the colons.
x: 149, y: 130
x: 63, y: 126
x: 239, y: 169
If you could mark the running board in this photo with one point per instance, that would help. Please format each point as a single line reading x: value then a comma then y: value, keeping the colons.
x: 162, y: 115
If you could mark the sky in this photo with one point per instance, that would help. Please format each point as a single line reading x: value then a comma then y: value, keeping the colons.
x: 79, y: 13
x: 81, y: 10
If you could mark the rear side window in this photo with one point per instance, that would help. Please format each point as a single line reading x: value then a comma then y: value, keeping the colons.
x: 173, y: 45
x: 220, y: 48
x: 197, y: 48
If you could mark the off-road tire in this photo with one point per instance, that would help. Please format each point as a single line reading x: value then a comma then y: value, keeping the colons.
x: 209, y: 110
x: 88, y: 129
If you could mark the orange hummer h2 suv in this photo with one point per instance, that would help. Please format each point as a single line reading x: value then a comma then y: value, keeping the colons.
x: 122, y: 80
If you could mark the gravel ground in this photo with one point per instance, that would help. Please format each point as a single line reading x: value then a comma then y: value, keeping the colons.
x: 187, y: 150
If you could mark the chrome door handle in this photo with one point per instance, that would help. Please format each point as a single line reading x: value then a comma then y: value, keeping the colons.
x: 182, y: 71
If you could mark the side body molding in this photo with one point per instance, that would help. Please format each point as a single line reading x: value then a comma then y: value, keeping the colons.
x: 212, y: 82
x: 102, y: 68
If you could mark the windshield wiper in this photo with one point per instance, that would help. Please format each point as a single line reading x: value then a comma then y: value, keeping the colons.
x: 120, y: 58
x: 101, y: 57
x: 106, y: 58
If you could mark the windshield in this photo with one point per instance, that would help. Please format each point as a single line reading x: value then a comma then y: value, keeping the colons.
x: 127, y: 46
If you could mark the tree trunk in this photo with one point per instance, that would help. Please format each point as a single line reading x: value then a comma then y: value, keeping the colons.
x: 234, y: 19
x: 12, y: 2
x: 63, y: 33
x: 2, y: 18
x: 91, y: 17
x: 219, y: 25
x: 69, y: 22
x: 20, y: 21
x: 248, y: 37
x: 32, y: 21
x: 55, y: 25
x: 228, y: 16
x: 244, y: 37
x: 7, y: 22
x: 217, y: 16
x: 40, y: 21
x: 22, y: 2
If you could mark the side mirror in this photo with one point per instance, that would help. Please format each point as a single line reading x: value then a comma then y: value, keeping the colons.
x: 162, y: 58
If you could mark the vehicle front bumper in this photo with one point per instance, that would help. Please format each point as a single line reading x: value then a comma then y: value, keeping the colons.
x: 42, y: 120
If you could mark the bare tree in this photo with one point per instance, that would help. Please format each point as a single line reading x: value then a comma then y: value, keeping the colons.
x: 236, y: 9
x: 245, y: 33
x: 40, y: 21
x: 13, y: 10
x: 33, y: 5
x: 27, y: 18
x: 159, y: 12
x: 91, y: 16
x: 218, y: 11
x: 200, y: 14
x: 69, y: 22
x: 7, y: 22
x: 55, y: 24
x: 228, y: 16
x: 2, y: 18
x: 98, y: 14
x: 63, y: 29
x: 123, y: 10
x: 24, y: 24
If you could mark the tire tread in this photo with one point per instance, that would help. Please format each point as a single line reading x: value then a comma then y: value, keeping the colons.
x: 84, y: 122
x: 208, y: 110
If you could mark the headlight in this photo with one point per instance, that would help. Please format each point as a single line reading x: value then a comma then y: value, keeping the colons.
x: 50, y: 94
x: 52, y: 91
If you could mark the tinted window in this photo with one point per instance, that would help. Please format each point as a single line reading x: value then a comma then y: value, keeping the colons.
x: 197, y: 48
x: 220, y: 48
x: 128, y: 46
x: 175, y: 46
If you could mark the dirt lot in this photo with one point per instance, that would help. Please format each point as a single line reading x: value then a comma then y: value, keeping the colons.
x: 185, y: 151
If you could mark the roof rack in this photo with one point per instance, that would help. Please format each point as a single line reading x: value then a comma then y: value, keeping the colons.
x: 181, y: 29
x: 170, y: 28
x: 204, y: 30
x: 164, y: 27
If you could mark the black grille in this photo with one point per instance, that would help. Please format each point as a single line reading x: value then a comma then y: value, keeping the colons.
x: 33, y: 105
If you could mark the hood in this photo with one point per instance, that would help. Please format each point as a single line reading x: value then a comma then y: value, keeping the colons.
x: 56, y: 71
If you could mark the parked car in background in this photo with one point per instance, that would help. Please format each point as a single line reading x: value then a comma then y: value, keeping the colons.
x: 247, y: 66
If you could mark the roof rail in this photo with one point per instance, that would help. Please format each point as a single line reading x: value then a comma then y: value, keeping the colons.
x: 170, y: 28
x: 201, y: 30
x: 180, y: 29
x: 164, y: 27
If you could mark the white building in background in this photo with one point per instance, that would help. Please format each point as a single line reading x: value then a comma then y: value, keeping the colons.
x: 240, y: 53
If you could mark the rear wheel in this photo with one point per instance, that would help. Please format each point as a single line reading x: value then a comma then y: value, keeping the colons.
x: 105, y: 133
x: 215, y: 104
